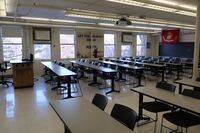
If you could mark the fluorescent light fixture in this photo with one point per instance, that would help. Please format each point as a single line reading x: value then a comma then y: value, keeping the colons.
x: 2, y: 8
x: 92, y: 17
x: 106, y: 24
x: 188, y: 7
x: 141, y: 27
x: 166, y: 2
x: 134, y: 20
x: 114, y: 17
x: 76, y: 27
x: 91, y: 14
x: 34, y: 18
x: 155, y: 7
x: 46, y: 19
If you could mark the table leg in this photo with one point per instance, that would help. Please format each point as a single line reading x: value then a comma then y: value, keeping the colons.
x: 94, y: 81
x: 178, y: 74
x: 68, y: 88
x: 180, y: 88
x: 139, y: 80
x: 58, y: 85
x: 140, y: 111
x: 163, y: 75
x: 120, y: 75
x: 112, y: 86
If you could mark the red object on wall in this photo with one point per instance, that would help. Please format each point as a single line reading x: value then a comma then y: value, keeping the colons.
x: 170, y: 36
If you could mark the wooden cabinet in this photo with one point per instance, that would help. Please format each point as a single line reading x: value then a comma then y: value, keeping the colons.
x: 22, y: 74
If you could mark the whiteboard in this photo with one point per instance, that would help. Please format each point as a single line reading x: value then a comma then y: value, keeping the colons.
x: 42, y: 35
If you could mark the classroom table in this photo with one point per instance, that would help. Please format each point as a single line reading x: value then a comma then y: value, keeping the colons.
x: 127, y: 66
x: 175, y: 66
x: 95, y: 69
x: 181, y: 101
x: 80, y: 116
x: 187, y: 82
x: 60, y: 72
x: 155, y: 66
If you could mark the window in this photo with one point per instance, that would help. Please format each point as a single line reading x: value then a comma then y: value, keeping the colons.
x: 12, y: 43
x: 67, y: 46
x: 126, y: 50
x: 141, y: 45
x: 42, y: 51
x: 109, y: 45
x: 42, y: 43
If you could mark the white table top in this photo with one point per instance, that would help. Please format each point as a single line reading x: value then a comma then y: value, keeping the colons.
x: 123, y: 65
x: 99, y: 68
x: 185, y: 102
x: 58, y: 70
x: 188, y: 82
x: 81, y: 116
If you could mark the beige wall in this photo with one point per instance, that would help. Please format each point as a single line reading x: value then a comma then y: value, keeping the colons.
x: 81, y: 44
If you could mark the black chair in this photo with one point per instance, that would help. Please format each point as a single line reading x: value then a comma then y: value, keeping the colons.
x: 124, y: 115
x: 183, y: 118
x: 100, y: 101
x: 158, y: 106
x: 3, y: 69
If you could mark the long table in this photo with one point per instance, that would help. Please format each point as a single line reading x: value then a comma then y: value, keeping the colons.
x: 127, y: 66
x: 95, y: 69
x: 60, y: 72
x: 184, y: 102
x: 187, y: 82
x: 156, y: 66
x: 80, y: 116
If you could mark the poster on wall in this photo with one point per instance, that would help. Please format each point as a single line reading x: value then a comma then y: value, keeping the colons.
x: 170, y: 36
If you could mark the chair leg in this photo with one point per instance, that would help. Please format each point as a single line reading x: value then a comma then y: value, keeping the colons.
x: 155, y: 123
x: 161, y: 125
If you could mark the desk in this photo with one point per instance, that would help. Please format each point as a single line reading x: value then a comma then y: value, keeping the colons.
x: 126, y: 66
x: 187, y: 82
x: 185, y: 102
x: 96, y: 69
x: 80, y: 116
x: 156, y: 66
x: 175, y: 66
x: 60, y: 72
x: 22, y: 73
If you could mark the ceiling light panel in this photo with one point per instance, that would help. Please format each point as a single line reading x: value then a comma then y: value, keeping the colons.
x: 91, y: 14
x: 114, y: 17
x: 166, y: 2
x: 155, y: 7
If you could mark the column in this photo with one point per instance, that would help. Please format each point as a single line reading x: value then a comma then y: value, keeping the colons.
x: 197, y: 43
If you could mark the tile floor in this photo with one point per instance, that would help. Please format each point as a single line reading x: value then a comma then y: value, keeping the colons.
x: 27, y: 110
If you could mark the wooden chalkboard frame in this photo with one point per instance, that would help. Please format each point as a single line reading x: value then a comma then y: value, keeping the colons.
x: 125, y: 39
x: 36, y: 32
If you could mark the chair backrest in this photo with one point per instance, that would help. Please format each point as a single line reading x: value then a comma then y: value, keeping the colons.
x: 125, y: 115
x: 100, y: 101
x: 191, y: 93
x: 166, y: 86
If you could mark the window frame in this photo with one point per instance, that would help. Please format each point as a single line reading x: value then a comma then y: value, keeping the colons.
x: 13, y: 32
x: 109, y: 44
x: 130, y: 50
x: 68, y: 44
x: 142, y: 45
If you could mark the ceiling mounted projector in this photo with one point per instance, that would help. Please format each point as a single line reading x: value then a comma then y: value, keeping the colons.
x: 124, y: 21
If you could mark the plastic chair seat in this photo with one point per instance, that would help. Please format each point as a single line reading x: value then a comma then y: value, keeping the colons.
x: 181, y: 118
x: 156, y: 106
